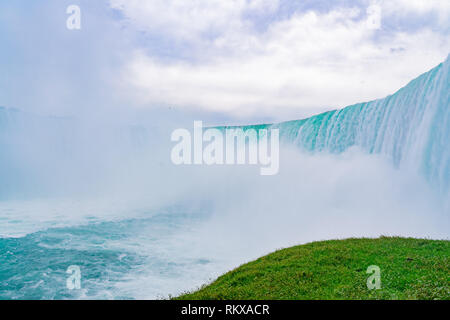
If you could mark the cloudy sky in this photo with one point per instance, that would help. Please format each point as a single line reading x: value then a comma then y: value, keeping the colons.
x: 241, y: 59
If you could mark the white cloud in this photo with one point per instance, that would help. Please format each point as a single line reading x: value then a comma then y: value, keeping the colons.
x: 308, y: 60
x: 441, y: 8
x: 190, y: 19
x: 419, y: 6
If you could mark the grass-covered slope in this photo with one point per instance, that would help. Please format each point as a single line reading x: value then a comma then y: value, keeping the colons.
x: 410, y: 269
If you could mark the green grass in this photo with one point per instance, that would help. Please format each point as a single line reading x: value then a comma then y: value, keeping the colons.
x: 410, y: 269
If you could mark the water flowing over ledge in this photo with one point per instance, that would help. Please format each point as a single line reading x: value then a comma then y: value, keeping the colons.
x: 411, y: 127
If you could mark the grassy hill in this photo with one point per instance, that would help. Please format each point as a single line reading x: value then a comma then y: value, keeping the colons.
x: 410, y: 269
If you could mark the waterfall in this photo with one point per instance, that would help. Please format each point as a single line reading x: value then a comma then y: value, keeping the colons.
x: 411, y: 127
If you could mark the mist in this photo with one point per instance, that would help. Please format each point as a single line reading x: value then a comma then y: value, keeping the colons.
x: 74, y: 172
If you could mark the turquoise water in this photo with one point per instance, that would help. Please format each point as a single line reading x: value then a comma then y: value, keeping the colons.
x: 34, y: 266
